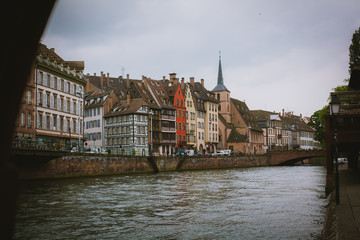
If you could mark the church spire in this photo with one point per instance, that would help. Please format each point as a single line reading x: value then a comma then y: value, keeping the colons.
x: 220, y: 79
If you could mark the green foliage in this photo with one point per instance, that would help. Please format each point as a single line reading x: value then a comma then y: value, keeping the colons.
x: 354, y: 51
x: 343, y: 88
x: 317, y: 121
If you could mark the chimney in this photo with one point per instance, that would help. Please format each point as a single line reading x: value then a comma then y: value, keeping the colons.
x: 172, y: 76
x: 127, y: 81
x: 300, y: 116
x: 192, y: 80
x: 107, y: 80
x: 128, y: 97
x: 102, y: 80
x: 164, y: 78
x: 182, y: 83
x: 87, y: 86
x: 52, y: 49
x: 283, y: 112
x: 95, y: 74
x: 202, y: 82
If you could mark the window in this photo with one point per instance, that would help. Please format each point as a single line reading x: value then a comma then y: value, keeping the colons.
x: 184, y: 138
x: 48, y: 80
x: 40, y: 121
x: 22, y: 119
x: 68, y: 87
x: 74, y: 126
x: 54, y: 123
x: 199, y: 135
x: 68, y: 105
x: 179, y: 125
x: 29, y: 120
x: 74, y: 107
x: 55, y: 82
x: 181, y: 103
x: 48, y: 122
x: 40, y: 78
x: 177, y: 102
x: 55, y: 102
x: 61, y: 123
x: 29, y: 97
x: 184, y: 115
x: 98, y: 110
x: 47, y: 99
x: 61, y: 103
x: 62, y: 85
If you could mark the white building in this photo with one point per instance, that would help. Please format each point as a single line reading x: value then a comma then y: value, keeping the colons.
x: 95, y: 109
x: 59, y: 100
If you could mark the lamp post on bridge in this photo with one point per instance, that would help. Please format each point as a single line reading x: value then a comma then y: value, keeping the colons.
x: 334, y: 110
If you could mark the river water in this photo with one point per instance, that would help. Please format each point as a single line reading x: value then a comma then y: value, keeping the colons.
x: 249, y: 203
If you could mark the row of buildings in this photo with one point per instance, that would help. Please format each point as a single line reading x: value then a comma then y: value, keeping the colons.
x: 64, y: 108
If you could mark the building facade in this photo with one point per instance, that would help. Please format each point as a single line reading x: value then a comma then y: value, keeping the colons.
x: 96, y: 106
x: 126, y: 128
x: 24, y: 132
x: 59, y: 90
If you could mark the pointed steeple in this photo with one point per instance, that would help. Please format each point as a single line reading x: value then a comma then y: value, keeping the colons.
x: 220, y: 80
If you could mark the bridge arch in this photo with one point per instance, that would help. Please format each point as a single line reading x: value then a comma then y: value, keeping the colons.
x: 290, y: 157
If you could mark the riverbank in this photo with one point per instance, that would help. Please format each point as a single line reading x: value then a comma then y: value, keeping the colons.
x: 97, y: 165
x: 343, y: 221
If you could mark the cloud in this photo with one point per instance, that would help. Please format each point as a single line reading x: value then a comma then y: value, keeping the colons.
x: 282, y: 54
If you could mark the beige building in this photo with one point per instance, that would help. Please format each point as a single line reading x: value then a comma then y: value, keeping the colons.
x: 191, y: 117
x: 59, y: 100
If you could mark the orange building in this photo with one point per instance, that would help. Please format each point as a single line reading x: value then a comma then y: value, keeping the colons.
x: 176, y: 94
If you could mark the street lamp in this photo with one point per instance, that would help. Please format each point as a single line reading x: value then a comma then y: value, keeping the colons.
x: 334, y: 105
x: 334, y: 110
x: 80, y: 93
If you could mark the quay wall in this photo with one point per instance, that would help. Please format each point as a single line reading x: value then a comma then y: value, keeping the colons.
x: 95, y: 165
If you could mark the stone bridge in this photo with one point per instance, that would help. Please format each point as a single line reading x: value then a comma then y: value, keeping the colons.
x: 291, y: 157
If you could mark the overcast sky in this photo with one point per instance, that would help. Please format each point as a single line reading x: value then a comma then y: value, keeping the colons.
x: 275, y: 53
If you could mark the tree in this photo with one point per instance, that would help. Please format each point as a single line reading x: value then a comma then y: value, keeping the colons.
x: 354, y: 51
x: 317, y: 121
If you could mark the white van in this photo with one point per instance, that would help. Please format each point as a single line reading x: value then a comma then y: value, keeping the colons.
x: 190, y: 152
x: 226, y: 152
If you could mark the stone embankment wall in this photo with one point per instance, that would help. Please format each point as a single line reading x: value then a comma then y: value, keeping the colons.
x: 94, y: 165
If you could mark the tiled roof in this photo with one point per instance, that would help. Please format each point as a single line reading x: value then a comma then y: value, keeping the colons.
x: 235, y: 136
x: 246, y: 114
x: 125, y: 108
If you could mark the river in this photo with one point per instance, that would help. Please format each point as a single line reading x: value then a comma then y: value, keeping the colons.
x: 248, y: 203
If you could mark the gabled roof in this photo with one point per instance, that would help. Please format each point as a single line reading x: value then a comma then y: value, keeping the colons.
x: 159, y: 93
x: 246, y: 114
x: 297, y: 123
x: 235, y: 136
x: 125, y: 108
x: 96, y: 100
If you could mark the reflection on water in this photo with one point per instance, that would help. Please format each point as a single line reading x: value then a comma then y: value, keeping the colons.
x: 252, y: 203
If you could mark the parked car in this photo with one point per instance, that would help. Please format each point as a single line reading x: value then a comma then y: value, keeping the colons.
x: 342, y: 160
x: 226, y: 152
x: 189, y: 152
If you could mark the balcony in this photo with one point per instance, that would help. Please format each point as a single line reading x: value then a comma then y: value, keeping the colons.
x: 167, y: 117
x: 168, y: 141
x: 168, y: 129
